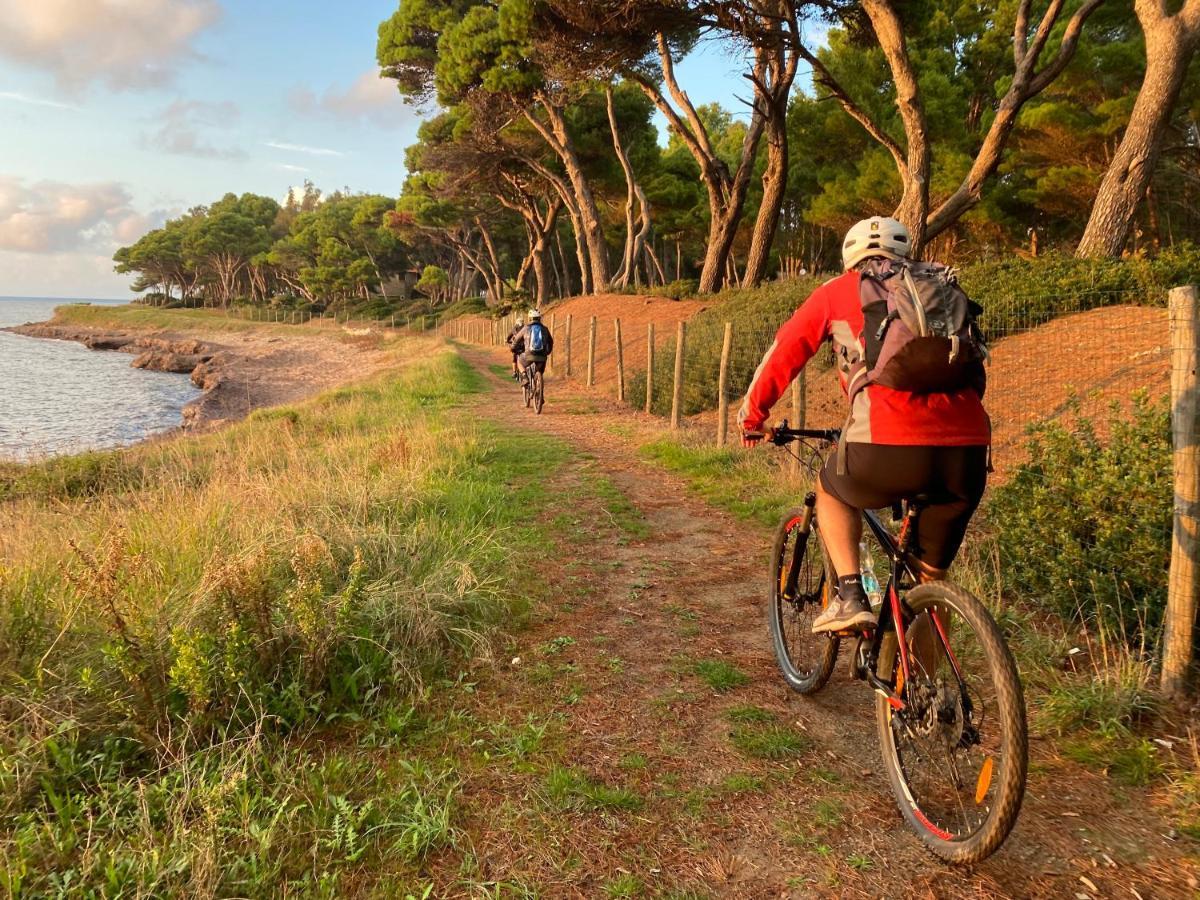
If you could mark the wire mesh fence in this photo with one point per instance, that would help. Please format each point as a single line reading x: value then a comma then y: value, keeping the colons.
x: 1084, y: 497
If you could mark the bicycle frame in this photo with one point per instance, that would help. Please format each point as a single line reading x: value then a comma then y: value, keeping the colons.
x: 895, y: 613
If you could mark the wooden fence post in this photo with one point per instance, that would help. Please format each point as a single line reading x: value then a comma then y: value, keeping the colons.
x: 802, y: 407
x: 591, y: 365
x: 677, y: 391
x: 553, y: 328
x: 650, y: 368
x: 797, y: 412
x: 620, y: 361
x: 723, y: 387
x: 1183, y: 583
x: 570, y: 317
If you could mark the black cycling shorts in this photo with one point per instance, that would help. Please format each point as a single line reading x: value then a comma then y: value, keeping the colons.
x: 538, y: 360
x: 878, y: 476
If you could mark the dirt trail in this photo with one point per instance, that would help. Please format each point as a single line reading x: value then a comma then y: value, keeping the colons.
x: 821, y: 823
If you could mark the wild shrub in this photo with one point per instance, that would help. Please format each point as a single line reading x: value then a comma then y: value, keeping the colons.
x: 1084, y: 527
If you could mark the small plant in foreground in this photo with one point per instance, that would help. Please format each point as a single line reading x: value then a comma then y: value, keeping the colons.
x: 768, y: 741
x: 720, y: 675
x: 570, y: 788
x: 623, y: 886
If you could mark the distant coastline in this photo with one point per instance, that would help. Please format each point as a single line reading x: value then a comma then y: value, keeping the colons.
x: 238, y: 370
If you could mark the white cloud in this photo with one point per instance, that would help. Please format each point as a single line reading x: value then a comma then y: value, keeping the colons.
x: 16, y: 97
x: 52, y: 217
x: 287, y: 167
x: 126, y: 43
x: 370, y: 98
x: 185, y: 125
x: 85, y: 275
x: 300, y: 148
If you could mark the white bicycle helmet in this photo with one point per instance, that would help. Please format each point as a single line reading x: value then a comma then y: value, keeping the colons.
x: 877, y: 236
x: 534, y: 314
x: 519, y: 322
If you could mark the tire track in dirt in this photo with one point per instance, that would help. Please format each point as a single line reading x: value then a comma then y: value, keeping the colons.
x: 822, y: 824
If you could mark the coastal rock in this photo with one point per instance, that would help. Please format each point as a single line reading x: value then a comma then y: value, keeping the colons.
x: 177, y: 347
x: 166, y: 361
x: 106, y: 341
x: 205, y: 375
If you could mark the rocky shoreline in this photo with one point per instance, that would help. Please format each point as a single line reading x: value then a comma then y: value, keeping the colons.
x: 240, y: 372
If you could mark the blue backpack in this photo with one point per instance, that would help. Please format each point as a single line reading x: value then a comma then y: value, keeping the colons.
x: 537, y: 340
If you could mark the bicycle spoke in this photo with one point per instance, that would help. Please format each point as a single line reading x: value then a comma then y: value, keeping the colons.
x: 946, y: 754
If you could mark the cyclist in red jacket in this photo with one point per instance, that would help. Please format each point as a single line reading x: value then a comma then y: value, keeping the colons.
x: 897, y: 444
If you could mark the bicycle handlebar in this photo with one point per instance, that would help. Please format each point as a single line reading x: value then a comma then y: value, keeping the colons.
x: 785, y: 435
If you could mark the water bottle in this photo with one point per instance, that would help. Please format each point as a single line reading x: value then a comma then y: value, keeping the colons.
x: 867, y: 569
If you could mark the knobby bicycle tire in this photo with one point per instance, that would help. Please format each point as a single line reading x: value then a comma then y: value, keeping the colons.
x: 1009, y: 715
x: 802, y: 676
x: 539, y: 392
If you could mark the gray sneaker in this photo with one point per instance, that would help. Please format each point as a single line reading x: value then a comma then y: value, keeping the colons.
x: 843, y: 614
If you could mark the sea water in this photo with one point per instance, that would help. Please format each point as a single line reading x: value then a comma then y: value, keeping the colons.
x: 59, y: 397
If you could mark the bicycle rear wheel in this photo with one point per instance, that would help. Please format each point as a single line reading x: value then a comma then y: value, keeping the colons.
x: 957, y: 754
x: 800, y: 586
x: 539, y: 392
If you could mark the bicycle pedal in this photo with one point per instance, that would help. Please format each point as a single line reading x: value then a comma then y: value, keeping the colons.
x: 853, y: 633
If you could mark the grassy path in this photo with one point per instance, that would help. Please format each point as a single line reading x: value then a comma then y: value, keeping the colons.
x: 664, y: 757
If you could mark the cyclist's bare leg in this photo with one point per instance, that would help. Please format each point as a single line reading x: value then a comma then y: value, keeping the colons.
x: 841, y: 526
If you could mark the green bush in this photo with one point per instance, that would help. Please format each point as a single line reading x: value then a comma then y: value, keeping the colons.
x: 676, y: 290
x: 1084, y: 526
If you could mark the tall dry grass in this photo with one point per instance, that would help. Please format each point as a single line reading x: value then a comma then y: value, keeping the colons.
x: 172, y: 615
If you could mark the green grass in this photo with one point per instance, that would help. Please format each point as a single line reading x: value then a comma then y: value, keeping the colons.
x: 625, y: 516
x: 747, y: 484
x: 207, y: 645
x: 768, y: 741
x: 720, y: 675
x: 150, y: 317
x: 623, y: 886
x: 569, y: 788
x: 749, y: 714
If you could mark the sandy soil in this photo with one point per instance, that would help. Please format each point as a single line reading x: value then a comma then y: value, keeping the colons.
x: 240, y: 371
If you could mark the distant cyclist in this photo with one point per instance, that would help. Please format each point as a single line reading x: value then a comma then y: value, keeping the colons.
x: 533, y: 344
x: 896, y: 443
x: 516, y: 351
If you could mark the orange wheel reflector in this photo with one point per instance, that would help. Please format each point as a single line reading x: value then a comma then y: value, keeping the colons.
x: 984, y: 782
x: 825, y: 594
x: 783, y: 579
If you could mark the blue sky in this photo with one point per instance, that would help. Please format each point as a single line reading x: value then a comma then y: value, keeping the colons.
x: 116, y: 115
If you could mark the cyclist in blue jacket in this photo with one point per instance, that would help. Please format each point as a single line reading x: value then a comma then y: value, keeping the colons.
x: 534, y: 343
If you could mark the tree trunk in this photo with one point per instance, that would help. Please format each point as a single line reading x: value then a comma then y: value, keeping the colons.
x: 1170, y: 44
x: 621, y: 279
x: 724, y: 224
x: 726, y: 194
x: 568, y: 198
x: 782, y: 60
x: 560, y: 141
x: 774, y: 184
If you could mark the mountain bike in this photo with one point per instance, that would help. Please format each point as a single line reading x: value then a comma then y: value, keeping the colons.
x: 533, y: 386
x: 949, y: 707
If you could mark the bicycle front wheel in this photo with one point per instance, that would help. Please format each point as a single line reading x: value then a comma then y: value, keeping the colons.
x: 800, y: 586
x: 957, y: 753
